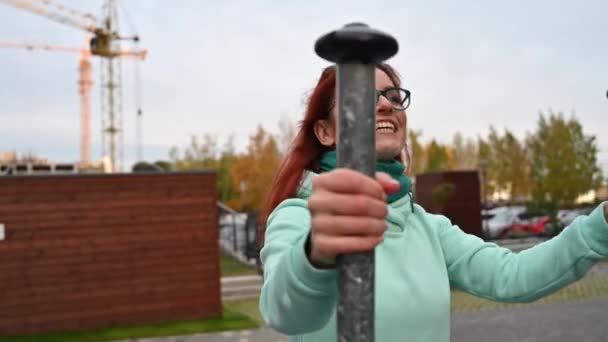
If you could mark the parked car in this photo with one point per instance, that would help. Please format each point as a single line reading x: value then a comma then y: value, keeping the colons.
x: 567, y: 216
x: 500, y: 219
x: 530, y: 224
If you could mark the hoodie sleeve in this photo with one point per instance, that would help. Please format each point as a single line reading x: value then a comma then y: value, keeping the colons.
x: 487, y: 270
x: 296, y: 297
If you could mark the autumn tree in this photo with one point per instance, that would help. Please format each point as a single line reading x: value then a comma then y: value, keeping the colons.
x: 253, y: 172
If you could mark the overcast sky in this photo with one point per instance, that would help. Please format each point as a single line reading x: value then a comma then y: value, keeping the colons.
x: 224, y: 67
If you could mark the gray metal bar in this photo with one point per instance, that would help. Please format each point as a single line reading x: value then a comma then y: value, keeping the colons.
x: 356, y: 150
x: 357, y: 49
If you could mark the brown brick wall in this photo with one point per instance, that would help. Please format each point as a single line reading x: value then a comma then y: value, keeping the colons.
x: 93, y: 251
x: 463, y: 208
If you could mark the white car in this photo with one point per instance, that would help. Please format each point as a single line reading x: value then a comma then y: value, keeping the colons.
x: 566, y: 217
x: 499, y: 219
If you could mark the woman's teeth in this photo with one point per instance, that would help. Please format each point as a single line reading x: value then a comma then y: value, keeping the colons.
x: 385, y: 126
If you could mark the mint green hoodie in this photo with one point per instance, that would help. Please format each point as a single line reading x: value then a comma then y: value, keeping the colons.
x: 422, y: 257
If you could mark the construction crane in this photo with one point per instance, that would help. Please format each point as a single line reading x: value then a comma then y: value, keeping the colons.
x: 104, y: 43
x: 85, y: 82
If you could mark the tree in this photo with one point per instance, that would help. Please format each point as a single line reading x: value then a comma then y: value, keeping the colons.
x: 497, y: 161
x: 517, y: 170
x: 509, y: 164
x: 203, y: 154
x: 437, y: 157
x: 253, y: 172
x: 227, y: 192
x: 163, y: 165
x: 417, y: 157
x: 143, y: 166
x: 484, y: 155
x: 200, y: 155
x: 464, y: 153
x: 563, y: 161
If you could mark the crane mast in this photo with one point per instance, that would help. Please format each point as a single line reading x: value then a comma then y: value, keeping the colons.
x: 111, y: 94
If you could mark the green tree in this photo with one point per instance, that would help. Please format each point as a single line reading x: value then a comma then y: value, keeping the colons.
x: 163, y: 165
x: 563, y: 161
x: 437, y: 157
x: 518, y: 170
x: 509, y: 164
x: 143, y: 166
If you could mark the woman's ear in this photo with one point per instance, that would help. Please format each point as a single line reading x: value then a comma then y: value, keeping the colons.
x: 325, y: 133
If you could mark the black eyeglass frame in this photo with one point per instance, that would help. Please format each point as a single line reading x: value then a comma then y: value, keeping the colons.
x: 403, y: 104
x: 405, y: 100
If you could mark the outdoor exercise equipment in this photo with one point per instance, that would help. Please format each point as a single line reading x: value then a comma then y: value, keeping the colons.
x: 356, y: 49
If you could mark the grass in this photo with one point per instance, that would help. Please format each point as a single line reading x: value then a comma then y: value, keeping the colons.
x: 247, y: 307
x: 231, y: 320
x: 232, y: 267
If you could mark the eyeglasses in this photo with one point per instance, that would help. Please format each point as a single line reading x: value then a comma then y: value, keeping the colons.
x: 398, y: 97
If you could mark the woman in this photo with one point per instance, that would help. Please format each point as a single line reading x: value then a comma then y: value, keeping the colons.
x: 316, y: 211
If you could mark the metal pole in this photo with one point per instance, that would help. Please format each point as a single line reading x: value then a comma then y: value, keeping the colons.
x: 357, y: 49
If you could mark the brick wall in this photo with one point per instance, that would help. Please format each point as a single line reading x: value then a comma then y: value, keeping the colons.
x: 93, y: 251
x: 463, y: 207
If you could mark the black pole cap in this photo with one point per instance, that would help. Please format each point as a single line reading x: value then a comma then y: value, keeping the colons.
x: 356, y: 43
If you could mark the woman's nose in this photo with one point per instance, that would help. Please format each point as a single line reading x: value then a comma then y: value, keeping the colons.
x: 383, y: 104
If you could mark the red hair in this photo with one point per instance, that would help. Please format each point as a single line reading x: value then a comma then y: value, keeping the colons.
x: 306, y: 150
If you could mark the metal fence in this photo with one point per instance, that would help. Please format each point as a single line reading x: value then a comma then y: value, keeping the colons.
x: 239, y: 233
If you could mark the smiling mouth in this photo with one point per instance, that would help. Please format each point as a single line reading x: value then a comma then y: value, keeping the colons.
x: 385, y: 127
